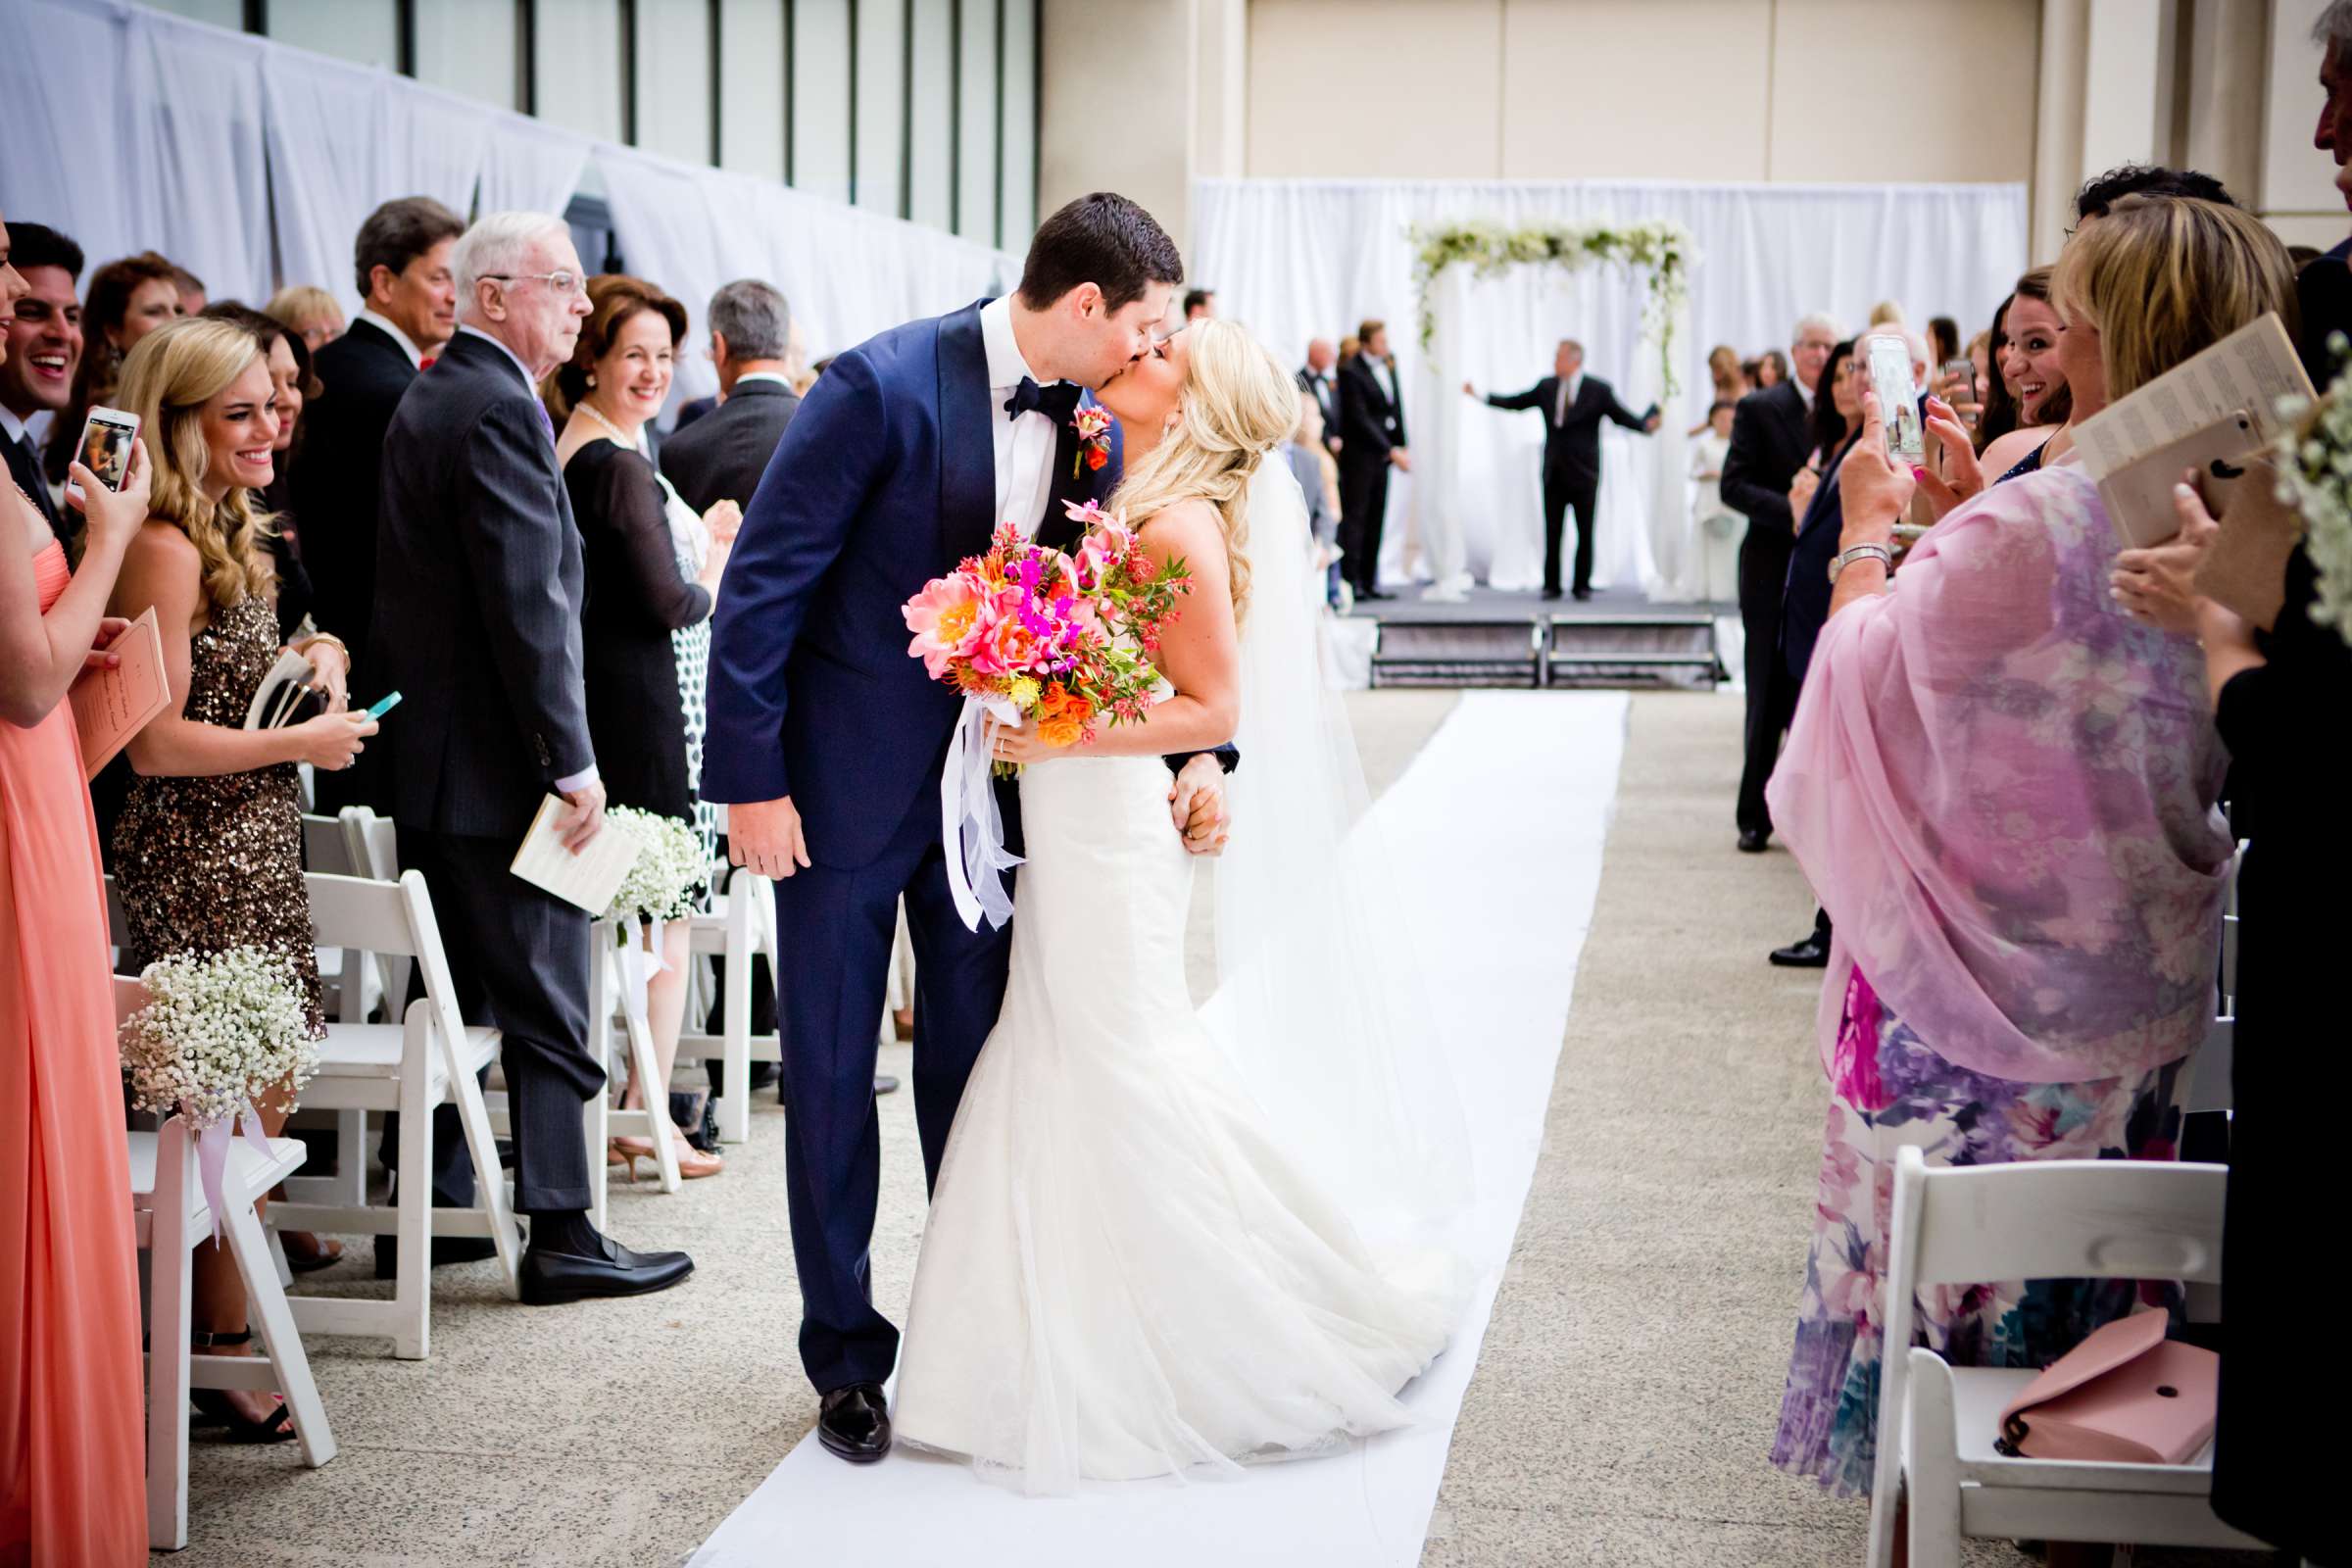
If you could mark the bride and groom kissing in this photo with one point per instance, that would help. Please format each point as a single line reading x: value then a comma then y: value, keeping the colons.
x: 1136, y: 1261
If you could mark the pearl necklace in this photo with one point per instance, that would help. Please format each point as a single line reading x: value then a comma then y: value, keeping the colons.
x: 614, y: 430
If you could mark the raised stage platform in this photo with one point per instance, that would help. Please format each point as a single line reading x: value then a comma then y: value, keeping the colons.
x: 1493, y: 638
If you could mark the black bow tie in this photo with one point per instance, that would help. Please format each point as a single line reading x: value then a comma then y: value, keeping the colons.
x: 1056, y: 402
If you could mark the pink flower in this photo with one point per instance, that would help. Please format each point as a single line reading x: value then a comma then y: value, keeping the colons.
x: 1004, y: 645
x: 948, y: 618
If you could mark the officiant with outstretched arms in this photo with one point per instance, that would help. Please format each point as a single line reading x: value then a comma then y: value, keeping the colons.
x: 1574, y: 404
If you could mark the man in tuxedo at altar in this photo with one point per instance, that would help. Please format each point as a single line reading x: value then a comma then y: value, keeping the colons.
x: 1317, y: 380
x: 1372, y: 442
x: 827, y: 741
x: 1573, y: 405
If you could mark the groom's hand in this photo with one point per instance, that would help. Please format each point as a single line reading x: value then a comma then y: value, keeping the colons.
x: 765, y: 835
x: 1197, y: 805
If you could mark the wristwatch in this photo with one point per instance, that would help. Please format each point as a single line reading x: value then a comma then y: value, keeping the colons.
x: 1866, y: 552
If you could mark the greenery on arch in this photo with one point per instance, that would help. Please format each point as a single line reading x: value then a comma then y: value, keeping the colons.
x: 1661, y: 250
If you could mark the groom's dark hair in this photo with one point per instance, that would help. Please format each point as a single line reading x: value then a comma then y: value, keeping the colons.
x: 1104, y: 239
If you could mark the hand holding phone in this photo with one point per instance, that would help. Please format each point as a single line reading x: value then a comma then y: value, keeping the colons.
x: 105, y: 447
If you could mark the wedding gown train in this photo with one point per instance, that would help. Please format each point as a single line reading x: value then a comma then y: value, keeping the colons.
x: 1124, y: 1273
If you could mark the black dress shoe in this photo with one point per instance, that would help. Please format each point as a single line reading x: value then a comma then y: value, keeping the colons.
x: 1752, y: 841
x: 1550, y: 593
x: 1372, y: 593
x: 1581, y: 594
x: 1810, y: 953
x: 855, y: 1423
x: 446, y: 1249
x: 551, y: 1278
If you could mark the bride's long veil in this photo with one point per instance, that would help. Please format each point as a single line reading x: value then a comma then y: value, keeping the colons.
x: 1321, y: 1001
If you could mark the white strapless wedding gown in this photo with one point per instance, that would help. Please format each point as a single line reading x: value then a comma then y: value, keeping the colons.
x: 1123, y: 1275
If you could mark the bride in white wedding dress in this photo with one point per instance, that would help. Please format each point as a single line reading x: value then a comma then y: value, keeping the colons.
x: 1167, y: 1240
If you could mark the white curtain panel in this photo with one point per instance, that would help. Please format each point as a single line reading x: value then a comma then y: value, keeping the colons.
x: 1302, y: 258
x: 529, y: 165
x: 193, y: 95
x: 64, y: 134
x: 345, y: 138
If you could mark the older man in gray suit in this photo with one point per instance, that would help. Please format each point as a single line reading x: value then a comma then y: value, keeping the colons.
x: 478, y: 583
x: 721, y: 456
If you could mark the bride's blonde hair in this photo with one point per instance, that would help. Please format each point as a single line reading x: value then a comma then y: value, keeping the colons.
x: 1237, y: 404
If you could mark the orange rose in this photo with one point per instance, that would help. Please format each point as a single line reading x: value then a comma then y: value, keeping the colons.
x: 1096, y: 456
x: 1061, y: 718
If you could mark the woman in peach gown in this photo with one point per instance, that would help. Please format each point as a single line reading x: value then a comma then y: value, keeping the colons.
x: 72, y: 1475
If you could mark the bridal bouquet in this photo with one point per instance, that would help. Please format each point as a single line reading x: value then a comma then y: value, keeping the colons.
x: 1025, y: 632
x: 1064, y: 639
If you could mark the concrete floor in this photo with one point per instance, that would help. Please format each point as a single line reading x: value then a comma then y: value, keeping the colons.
x: 1627, y: 1390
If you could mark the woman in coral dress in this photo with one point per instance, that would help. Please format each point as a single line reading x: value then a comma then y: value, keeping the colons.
x: 72, y: 1476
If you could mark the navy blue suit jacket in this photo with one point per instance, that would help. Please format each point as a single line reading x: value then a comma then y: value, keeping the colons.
x: 884, y: 480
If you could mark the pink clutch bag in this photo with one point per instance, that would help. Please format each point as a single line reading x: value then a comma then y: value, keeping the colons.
x: 2125, y: 1394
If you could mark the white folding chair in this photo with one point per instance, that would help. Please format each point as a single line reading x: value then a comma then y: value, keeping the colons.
x: 431, y: 1057
x: 742, y: 927
x: 2035, y: 1219
x: 169, y: 1214
x: 600, y: 1119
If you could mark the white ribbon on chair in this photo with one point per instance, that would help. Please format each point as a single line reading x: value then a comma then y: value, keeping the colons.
x: 211, y: 1160
x: 640, y: 960
x: 968, y: 800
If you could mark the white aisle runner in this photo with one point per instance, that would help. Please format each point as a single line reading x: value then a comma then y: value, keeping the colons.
x: 1497, y: 830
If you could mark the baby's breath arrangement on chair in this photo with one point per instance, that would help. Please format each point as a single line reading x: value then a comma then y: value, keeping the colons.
x: 218, y: 1033
x: 670, y: 874
x: 2316, y: 476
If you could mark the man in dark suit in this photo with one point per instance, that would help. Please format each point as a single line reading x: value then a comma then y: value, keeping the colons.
x: 1317, y: 380
x: 44, y: 348
x: 1372, y: 433
x: 402, y: 262
x: 722, y: 455
x: 1769, y: 442
x: 829, y: 740
x: 479, y: 553
x: 1574, y: 404
x: 692, y: 410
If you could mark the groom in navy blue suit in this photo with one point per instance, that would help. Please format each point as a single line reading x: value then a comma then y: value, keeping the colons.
x: 827, y: 738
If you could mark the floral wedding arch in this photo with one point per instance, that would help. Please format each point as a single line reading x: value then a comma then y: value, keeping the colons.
x: 1661, y: 248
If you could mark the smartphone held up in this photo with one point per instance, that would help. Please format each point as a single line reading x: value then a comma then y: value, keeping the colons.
x: 105, y: 447
x: 1891, y: 382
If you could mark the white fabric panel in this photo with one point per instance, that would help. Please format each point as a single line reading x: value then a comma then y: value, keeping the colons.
x: 468, y: 47
x: 576, y: 47
x: 64, y: 134
x: 931, y: 86
x: 1300, y: 259
x: 193, y: 95
x: 673, y: 79
x: 820, y: 98
x: 881, y: 108
x: 530, y: 166
x: 976, y: 121
x: 751, y: 87
x: 363, y: 31
x: 1017, y: 213
x: 344, y: 139
x: 847, y: 273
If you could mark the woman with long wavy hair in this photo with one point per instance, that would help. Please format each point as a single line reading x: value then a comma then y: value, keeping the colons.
x: 1138, y: 1260
x: 208, y: 852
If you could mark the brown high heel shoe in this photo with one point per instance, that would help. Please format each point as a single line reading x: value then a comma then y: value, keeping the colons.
x: 625, y: 1153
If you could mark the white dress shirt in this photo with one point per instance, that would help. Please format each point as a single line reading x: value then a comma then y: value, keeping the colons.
x: 1570, y: 386
x: 1384, y: 377
x: 778, y: 376
x: 1024, y: 446
x: 1803, y: 391
x: 408, y: 345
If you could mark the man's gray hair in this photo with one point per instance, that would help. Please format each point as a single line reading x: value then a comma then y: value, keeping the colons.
x: 752, y: 316
x: 2334, y: 27
x: 1821, y: 319
x: 500, y: 243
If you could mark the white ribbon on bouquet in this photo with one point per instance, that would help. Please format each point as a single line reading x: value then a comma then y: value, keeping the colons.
x: 211, y: 1160
x: 971, y: 828
x: 640, y: 960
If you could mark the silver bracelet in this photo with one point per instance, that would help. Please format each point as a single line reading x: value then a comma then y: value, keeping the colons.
x: 1865, y: 552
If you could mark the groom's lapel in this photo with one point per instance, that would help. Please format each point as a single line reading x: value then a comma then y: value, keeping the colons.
x: 1073, y: 480
x: 967, y: 446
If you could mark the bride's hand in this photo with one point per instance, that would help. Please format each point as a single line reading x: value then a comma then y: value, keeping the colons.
x: 1018, y: 745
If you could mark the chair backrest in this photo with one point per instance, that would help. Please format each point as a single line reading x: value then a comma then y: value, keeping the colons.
x: 2062, y: 1219
x: 323, y: 847
x: 389, y: 918
x: 130, y: 995
x: 370, y: 842
x: 118, y: 920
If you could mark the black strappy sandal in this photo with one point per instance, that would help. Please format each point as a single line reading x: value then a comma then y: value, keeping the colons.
x: 219, y: 1410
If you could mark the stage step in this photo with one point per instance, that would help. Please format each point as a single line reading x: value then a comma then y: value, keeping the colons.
x: 1561, y: 650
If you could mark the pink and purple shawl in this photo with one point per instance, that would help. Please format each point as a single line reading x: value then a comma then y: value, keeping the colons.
x: 2002, y: 788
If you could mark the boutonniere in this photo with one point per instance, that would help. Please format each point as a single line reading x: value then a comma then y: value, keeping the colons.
x: 1092, y: 424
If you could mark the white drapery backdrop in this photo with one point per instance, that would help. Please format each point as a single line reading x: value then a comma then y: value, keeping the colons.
x: 1302, y: 258
x: 253, y: 163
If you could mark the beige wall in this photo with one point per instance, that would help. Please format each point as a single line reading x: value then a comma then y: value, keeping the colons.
x: 1677, y: 89
x: 1117, y: 107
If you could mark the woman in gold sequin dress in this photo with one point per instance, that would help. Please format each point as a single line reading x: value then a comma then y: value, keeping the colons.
x: 208, y: 852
